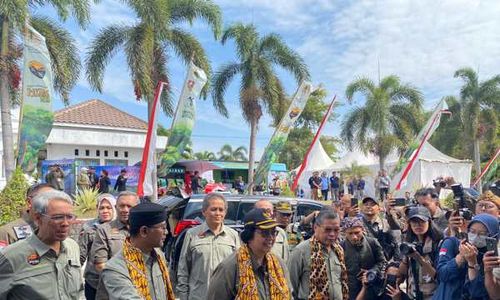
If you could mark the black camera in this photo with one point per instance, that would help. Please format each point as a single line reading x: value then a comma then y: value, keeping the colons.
x: 408, y: 248
x: 375, y: 281
x: 439, y: 182
x: 459, y: 195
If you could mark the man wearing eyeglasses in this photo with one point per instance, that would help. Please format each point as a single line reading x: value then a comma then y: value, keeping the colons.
x: 139, y: 270
x: 46, y: 265
x: 317, y: 268
x: 253, y: 271
x: 23, y: 227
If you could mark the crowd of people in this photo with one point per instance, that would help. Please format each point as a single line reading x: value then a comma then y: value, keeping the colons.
x: 373, y: 249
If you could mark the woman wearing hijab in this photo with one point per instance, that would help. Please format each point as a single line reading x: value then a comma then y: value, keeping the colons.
x: 105, y: 213
x: 460, y: 264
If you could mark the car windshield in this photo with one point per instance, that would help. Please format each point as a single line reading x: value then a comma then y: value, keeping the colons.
x: 193, y: 212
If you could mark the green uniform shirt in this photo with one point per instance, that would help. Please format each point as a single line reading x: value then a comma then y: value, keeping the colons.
x: 16, y: 230
x: 201, y: 253
x: 29, y: 269
x: 280, y: 247
x: 225, y: 279
x: 300, y: 269
x: 108, y: 241
x: 115, y: 282
x: 85, y: 241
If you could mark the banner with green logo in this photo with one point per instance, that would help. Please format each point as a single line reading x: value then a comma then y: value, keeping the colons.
x: 280, y: 135
x: 36, y: 110
x: 184, y: 118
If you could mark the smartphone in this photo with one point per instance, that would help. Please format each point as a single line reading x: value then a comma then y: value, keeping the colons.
x: 399, y: 201
x: 491, y: 245
x: 354, y: 201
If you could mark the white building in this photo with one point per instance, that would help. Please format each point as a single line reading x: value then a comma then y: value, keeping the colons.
x: 96, y: 133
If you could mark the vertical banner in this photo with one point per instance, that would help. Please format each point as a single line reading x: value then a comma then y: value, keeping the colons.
x: 314, y: 141
x: 411, y: 155
x: 184, y: 118
x: 280, y: 135
x: 36, y: 110
x: 146, y: 185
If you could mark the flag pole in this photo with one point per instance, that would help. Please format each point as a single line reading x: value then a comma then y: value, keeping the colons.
x: 486, y: 167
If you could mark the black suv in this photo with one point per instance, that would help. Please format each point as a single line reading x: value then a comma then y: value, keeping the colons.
x: 185, y: 213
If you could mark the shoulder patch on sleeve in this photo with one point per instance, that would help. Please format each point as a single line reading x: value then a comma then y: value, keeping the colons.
x: 443, y: 251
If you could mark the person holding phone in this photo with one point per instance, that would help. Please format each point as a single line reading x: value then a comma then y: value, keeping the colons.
x: 460, y: 267
x: 392, y: 281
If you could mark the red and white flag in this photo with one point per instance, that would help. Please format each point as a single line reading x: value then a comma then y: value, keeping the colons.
x: 316, y: 138
x: 146, y: 185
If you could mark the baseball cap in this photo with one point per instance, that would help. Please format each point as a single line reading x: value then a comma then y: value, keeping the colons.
x: 419, y: 212
x: 259, y: 218
x: 366, y: 199
x: 284, y: 207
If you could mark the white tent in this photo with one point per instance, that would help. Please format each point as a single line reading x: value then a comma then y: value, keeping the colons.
x: 431, y: 164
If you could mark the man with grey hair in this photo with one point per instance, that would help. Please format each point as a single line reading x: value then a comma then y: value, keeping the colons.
x: 46, y: 265
x: 109, y: 237
x: 280, y: 247
x: 204, y: 247
x: 316, y: 266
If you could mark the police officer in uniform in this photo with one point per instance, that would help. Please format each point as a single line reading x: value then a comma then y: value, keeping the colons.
x: 23, y: 227
x: 139, y: 270
x: 109, y: 237
x: 46, y: 265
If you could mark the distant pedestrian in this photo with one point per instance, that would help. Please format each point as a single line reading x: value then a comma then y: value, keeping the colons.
x: 361, y: 188
x: 324, y: 186
x: 83, y: 181
x: 93, y: 178
x: 121, y: 181
x: 104, y: 182
x: 334, y: 186
x: 315, y: 185
x: 384, y: 183
x: 196, y: 182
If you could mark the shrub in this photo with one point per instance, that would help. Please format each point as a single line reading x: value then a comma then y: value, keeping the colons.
x: 86, y: 202
x: 13, y: 197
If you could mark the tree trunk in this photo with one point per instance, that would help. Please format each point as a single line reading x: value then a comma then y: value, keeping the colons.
x: 477, y: 163
x: 154, y: 197
x: 251, y: 155
x: 381, y: 163
x: 7, y: 134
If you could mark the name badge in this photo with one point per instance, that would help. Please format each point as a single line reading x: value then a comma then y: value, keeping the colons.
x: 22, y: 232
x: 33, y: 259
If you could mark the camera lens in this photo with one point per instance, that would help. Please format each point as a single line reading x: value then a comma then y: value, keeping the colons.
x: 406, y: 248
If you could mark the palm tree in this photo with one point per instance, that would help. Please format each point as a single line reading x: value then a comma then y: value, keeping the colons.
x: 387, y: 121
x: 355, y: 171
x: 260, y: 86
x: 61, y: 46
x: 228, y: 154
x: 147, y: 43
x: 479, y: 104
x: 205, y: 155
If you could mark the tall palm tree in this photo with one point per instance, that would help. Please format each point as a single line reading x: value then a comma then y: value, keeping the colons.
x: 205, y: 155
x: 228, y: 154
x: 479, y: 105
x: 61, y: 46
x: 148, y: 43
x: 260, y: 86
x: 387, y: 121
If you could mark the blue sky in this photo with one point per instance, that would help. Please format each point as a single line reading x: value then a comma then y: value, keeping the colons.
x: 423, y: 42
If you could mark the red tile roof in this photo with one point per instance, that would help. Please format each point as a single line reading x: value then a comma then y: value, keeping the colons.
x: 97, y: 112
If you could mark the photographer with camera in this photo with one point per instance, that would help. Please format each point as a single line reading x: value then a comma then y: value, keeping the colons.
x: 364, y: 256
x: 379, y: 229
x: 461, y: 270
x: 390, y: 286
x: 429, y: 199
x: 420, y: 251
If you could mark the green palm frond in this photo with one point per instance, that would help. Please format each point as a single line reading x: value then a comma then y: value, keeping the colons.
x: 102, y: 48
x: 189, y: 10
x: 469, y: 76
x: 245, y: 36
x: 151, y: 13
x: 139, y: 50
x: 407, y: 93
x: 14, y: 11
x: 221, y: 81
x: 79, y: 9
x: 361, y: 85
x: 355, y: 123
x: 185, y: 45
x: 390, y: 82
x: 160, y: 73
x: 63, y: 53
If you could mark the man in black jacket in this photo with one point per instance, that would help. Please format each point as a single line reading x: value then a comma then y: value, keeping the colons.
x: 121, y: 181
x: 362, y: 254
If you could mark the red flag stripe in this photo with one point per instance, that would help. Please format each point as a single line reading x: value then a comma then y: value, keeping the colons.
x: 487, y: 167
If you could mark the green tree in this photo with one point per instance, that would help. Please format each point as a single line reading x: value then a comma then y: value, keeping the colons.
x: 63, y: 53
x: 388, y: 120
x: 479, y: 104
x: 147, y: 42
x: 13, y: 197
x: 205, y: 155
x: 228, y: 154
x: 162, y: 131
x: 260, y: 86
x: 355, y: 171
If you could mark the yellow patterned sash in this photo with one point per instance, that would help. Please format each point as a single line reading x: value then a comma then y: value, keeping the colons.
x: 247, y: 283
x: 137, y: 270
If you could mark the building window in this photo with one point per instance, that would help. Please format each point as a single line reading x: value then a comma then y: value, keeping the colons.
x: 116, y: 153
x: 116, y: 162
x: 76, y: 152
x: 87, y: 152
x: 85, y: 162
x: 125, y: 153
x: 105, y: 153
x: 98, y: 153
